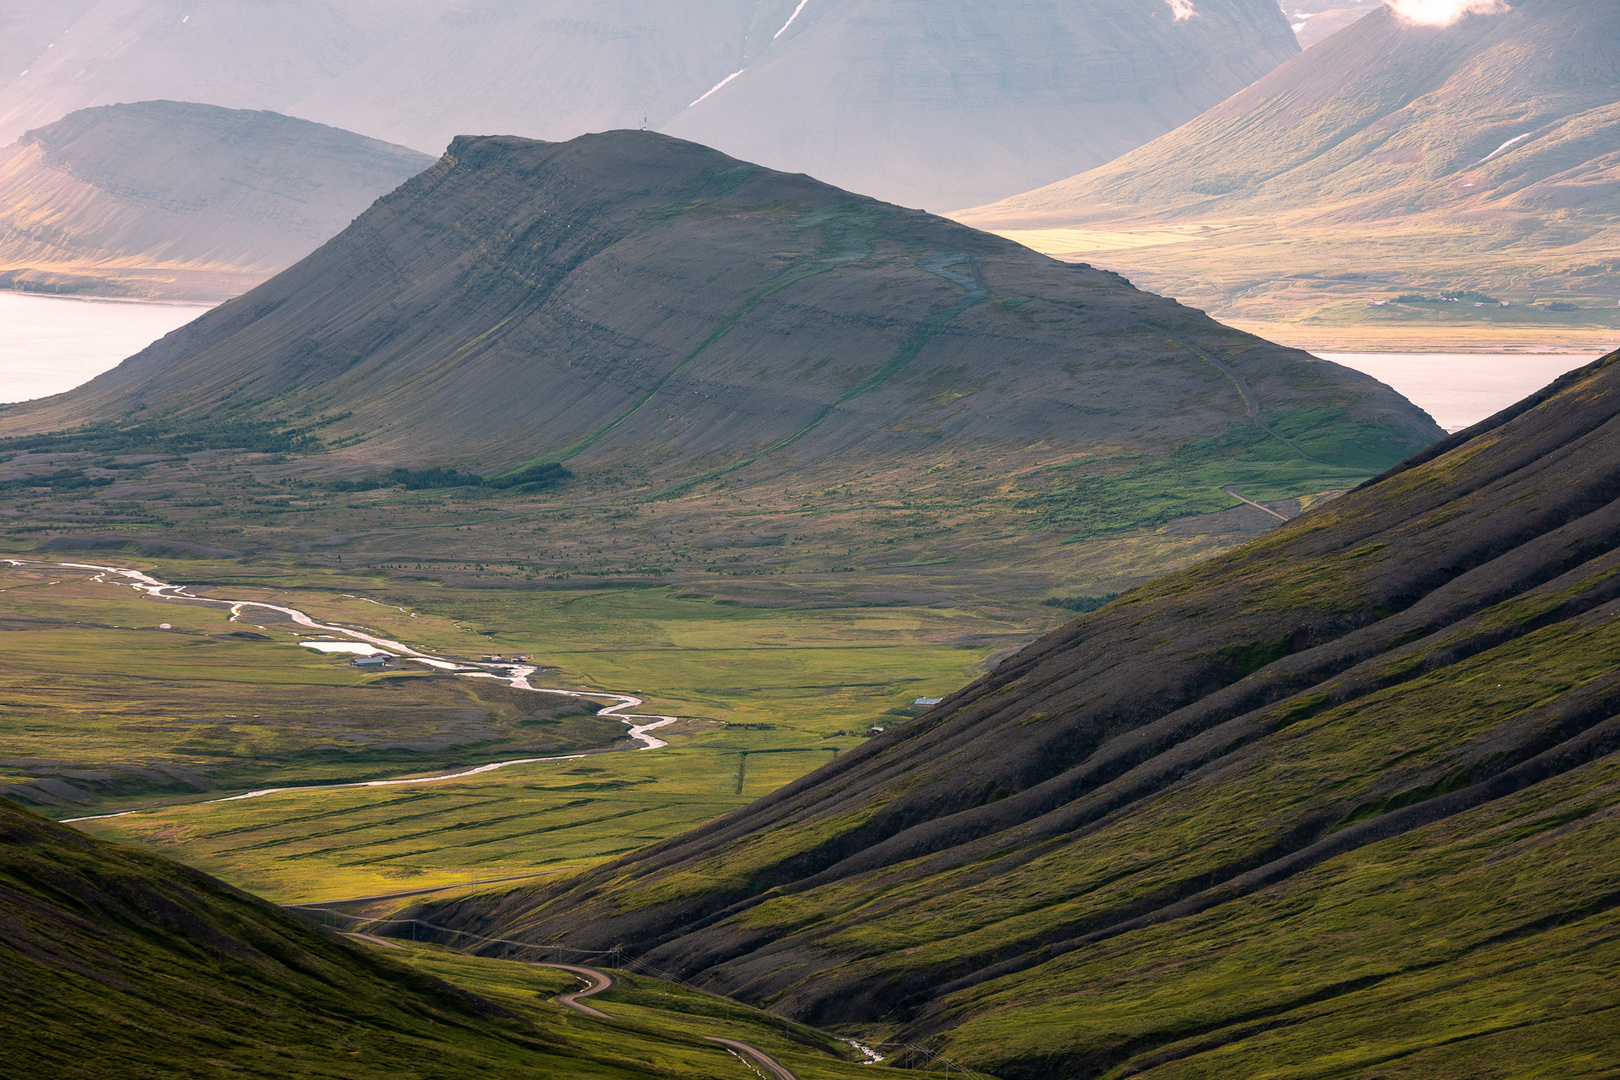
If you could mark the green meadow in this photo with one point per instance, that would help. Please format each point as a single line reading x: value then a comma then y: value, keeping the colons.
x: 162, y: 722
x: 657, y: 1023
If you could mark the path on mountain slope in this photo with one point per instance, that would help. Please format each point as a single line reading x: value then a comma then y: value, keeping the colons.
x: 600, y: 982
x: 514, y: 675
x: 1258, y: 506
x: 597, y: 982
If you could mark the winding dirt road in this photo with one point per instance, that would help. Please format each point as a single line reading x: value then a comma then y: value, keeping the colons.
x: 600, y: 982
x: 514, y: 675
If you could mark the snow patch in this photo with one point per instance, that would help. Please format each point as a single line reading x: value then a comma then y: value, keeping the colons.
x: 717, y: 86
x: 1504, y: 146
x: 1182, y: 9
x: 789, y: 23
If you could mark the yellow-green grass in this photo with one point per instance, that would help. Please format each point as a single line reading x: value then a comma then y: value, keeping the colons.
x: 1481, y: 946
x: 1309, y: 286
x: 329, y: 845
x: 767, y: 694
x: 661, y: 1023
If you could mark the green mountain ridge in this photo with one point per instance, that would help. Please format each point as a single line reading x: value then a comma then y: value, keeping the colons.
x: 115, y: 962
x: 631, y: 301
x: 1339, y: 802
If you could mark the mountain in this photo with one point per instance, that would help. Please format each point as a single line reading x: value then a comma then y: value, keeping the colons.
x: 1318, y: 20
x: 177, y: 200
x: 1339, y: 802
x: 633, y: 303
x: 115, y: 962
x: 943, y: 106
x: 72, y: 54
x: 931, y: 105
x: 1389, y: 158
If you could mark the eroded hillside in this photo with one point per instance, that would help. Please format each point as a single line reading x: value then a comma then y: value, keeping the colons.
x: 1345, y: 794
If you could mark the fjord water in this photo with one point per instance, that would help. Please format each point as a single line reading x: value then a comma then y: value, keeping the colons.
x: 1461, y: 389
x: 50, y: 344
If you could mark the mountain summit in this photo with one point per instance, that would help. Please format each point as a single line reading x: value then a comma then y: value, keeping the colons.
x: 633, y: 301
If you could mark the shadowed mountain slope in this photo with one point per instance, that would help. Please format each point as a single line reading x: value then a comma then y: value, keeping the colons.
x: 1480, y: 155
x: 632, y: 300
x: 114, y: 962
x: 1343, y: 796
x: 177, y: 200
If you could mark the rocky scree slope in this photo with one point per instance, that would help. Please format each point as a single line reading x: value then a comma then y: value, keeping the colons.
x: 174, y: 200
x: 631, y: 300
x: 1481, y: 152
x: 117, y: 962
x: 1346, y: 794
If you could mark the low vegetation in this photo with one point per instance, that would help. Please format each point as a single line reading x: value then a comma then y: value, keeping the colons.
x: 1339, y: 800
x: 111, y: 955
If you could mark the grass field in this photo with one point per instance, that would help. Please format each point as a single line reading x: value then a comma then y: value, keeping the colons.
x: 135, y: 717
x: 657, y: 1022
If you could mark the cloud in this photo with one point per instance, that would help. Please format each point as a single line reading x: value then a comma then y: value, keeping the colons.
x: 1442, y: 12
x: 1183, y: 9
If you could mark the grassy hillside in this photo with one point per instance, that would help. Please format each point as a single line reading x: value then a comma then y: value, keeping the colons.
x: 1388, y: 160
x: 1336, y: 803
x: 173, y: 200
x: 114, y: 962
x: 670, y: 322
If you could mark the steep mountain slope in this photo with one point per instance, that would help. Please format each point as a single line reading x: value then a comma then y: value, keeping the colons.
x: 1345, y: 796
x: 948, y: 105
x: 1479, y: 155
x: 114, y: 962
x: 546, y: 72
x: 934, y: 105
x: 177, y: 200
x: 1318, y: 20
x: 631, y: 301
x: 234, y: 53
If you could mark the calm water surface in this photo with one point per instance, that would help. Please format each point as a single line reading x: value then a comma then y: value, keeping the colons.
x: 49, y: 344
x: 1461, y: 389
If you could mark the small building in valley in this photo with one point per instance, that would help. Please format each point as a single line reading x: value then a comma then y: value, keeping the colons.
x: 374, y: 662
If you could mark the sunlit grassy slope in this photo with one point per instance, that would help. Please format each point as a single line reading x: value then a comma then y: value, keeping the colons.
x: 114, y: 962
x: 1338, y: 803
x: 106, y: 712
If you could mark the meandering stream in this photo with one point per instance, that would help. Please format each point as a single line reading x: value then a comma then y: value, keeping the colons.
x: 514, y: 675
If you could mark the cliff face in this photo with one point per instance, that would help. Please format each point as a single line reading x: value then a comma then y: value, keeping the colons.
x: 1343, y: 797
x: 178, y: 200
x: 632, y: 299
